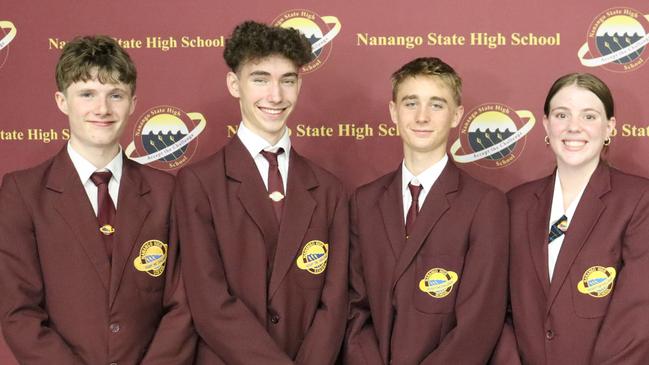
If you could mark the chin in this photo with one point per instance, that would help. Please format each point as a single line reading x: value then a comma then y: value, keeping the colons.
x: 579, y: 163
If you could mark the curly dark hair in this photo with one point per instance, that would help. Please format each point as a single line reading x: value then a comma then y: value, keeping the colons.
x: 251, y: 40
x: 432, y: 67
x: 83, y: 56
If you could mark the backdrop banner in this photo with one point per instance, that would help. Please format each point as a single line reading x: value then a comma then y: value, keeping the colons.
x: 507, y: 52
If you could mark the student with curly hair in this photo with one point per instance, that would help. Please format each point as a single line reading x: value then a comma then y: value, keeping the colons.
x: 265, y: 231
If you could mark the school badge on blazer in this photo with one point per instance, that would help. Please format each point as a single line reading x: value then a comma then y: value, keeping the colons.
x: 438, y: 282
x: 597, y: 281
x: 314, y: 257
x: 152, y: 258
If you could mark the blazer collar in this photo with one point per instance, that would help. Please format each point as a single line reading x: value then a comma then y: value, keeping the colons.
x: 537, y: 222
x: 391, y: 208
x: 240, y: 167
x: 298, y: 206
x: 586, y: 216
x: 436, y: 204
x: 132, y: 211
x: 298, y: 210
x: 75, y: 209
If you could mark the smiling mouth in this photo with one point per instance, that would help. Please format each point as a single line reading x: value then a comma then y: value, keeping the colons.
x: 421, y: 131
x: 574, y: 144
x: 101, y: 123
x: 271, y: 111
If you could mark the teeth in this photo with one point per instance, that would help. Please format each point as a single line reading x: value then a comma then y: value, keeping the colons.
x: 271, y: 111
x: 574, y: 143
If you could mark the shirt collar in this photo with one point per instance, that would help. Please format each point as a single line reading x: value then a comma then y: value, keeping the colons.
x: 557, y: 202
x: 85, y: 168
x: 254, y: 143
x: 427, y: 178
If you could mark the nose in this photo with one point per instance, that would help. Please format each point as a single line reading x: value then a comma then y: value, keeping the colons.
x: 102, y: 106
x: 423, y: 114
x: 573, y: 124
x: 275, y: 93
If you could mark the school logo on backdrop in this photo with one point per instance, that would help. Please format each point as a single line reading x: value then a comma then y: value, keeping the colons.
x: 7, y: 34
x: 319, y: 30
x: 616, y: 40
x: 492, y: 135
x: 165, y: 137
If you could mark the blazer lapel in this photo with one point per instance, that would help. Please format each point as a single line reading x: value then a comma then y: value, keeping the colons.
x: 252, y: 194
x: 75, y: 208
x: 537, y: 230
x: 391, y: 207
x: 297, y: 213
x: 588, y: 211
x: 132, y: 210
x: 435, y: 205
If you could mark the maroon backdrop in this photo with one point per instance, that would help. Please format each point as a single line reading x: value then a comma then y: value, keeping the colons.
x: 508, y: 53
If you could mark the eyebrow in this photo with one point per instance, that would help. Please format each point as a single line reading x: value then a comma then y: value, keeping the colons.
x: 93, y: 90
x: 265, y: 73
x: 582, y: 110
x: 415, y: 97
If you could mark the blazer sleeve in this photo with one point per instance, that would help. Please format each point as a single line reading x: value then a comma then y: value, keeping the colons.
x: 361, y: 346
x: 23, y: 317
x: 482, y: 294
x: 323, y: 339
x: 222, y: 320
x: 624, y: 334
x: 174, y: 342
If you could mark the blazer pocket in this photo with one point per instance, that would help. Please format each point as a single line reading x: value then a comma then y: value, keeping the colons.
x: 149, y: 265
x: 312, y: 260
x: 592, y: 288
x: 146, y: 282
x: 437, y: 280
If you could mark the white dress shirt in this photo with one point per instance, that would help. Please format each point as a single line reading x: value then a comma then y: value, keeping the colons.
x: 557, y: 212
x: 255, y: 144
x: 85, y: 168
x: 426, y: 179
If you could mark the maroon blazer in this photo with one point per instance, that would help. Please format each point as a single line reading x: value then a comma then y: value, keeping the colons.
x: 244, y: 313
x: 62, y: 302
x: 462, y: 227
x: 554, y: 322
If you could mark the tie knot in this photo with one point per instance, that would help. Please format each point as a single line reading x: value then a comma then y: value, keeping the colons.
x: 271, y: 157
x: 99, y: 178
x: 414, y: 191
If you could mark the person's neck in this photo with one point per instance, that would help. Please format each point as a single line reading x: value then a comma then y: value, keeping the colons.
x: 99, y: 157
x: 418, y: 162
x: 573, y: 180
x: 271, y: 138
